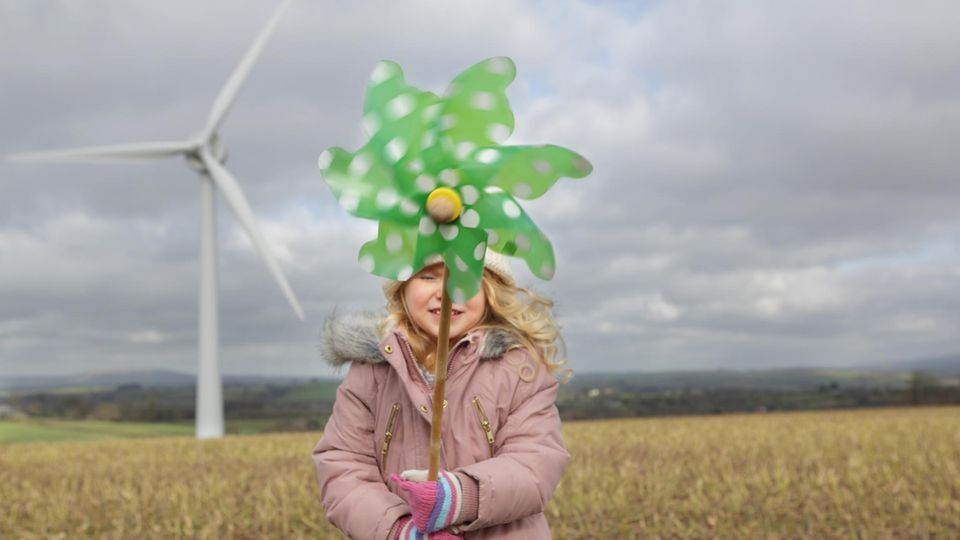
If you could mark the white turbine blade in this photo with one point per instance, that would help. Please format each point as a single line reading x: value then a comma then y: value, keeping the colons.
x: 241, y: 209
x: 135, y: 151
x: 230, y: 90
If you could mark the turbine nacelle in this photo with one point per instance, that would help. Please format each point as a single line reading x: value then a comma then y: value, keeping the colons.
x: 214, y: 145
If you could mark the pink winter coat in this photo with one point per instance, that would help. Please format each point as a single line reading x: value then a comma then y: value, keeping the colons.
x: 501, y: 427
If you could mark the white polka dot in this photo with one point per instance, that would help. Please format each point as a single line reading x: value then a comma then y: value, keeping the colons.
x: 325, y: 159
x: 498, y: 65
x: 521, y: 190
x: 400, y: 106
x: 427, y: 226
x: 469, y: 194
x: 359, y: 165
x: 483, y: 101
x: 428, y: 139
x: 480, y: 251
x: 498, y: 133
x: 366, y: 263
x: 470, y: 219
x: 371, y: 123
x: 382, y: 72
x: 386, y: 198
x: 449, y: 177
x: 396, y: 149
x: 492, y: 237
x: 462, y: 266
x: 425, y: 183
x: 464, y: 149
x: 409, y: 207
x: 448, y: 121
x: 523, y: 243
x: 458, y: 296
x: 415, y: 166
x: 349, y: 200
x: 488, y: 155
x: 547, y: 270
x: 580, y: 164
x: 432, y: 259
x: 431, y: 112
x: 404, y: 273
x: 542, y: 166
x: 493, y: 189
x: 511, y: 209
x: 394, y: 243
x: 449, y: 232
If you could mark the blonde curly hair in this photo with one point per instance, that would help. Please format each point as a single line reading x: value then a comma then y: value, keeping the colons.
x: 526, y: 315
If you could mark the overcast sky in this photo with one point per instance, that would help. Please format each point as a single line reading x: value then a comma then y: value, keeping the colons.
x: 776, y: 183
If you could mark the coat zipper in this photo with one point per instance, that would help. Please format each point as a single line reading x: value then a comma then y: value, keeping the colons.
x: 484, y: 423
x: 388, y: 435
x: 408, y: 355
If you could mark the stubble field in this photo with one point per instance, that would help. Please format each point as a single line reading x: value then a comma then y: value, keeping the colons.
x: 886, y: 473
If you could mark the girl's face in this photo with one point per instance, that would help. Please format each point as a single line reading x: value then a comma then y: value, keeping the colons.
x: 422, y: 296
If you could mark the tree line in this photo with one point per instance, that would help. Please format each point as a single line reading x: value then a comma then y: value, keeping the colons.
x: 307, y: 406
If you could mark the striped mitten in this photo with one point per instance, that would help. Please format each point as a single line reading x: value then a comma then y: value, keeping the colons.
x: 407, y: 530
x: 435, y: 505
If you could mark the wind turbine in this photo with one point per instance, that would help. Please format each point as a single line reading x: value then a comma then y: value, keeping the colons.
x: 205, y: 153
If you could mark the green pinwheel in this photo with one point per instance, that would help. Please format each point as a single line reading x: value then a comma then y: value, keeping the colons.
x: 435, y: 176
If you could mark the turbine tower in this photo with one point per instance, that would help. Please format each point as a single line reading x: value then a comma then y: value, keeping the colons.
x: 205, y: 153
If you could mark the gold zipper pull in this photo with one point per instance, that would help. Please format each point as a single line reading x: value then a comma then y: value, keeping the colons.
x: 388, y: 435
x: 484, y: 424
x: 486, y: 428
x: 386, y: 444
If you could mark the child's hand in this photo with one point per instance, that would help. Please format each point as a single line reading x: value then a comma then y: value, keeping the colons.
x: 407, y: 529
x: 435, y: 505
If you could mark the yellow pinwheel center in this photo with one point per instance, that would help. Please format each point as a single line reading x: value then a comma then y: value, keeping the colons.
x: 443, y: 205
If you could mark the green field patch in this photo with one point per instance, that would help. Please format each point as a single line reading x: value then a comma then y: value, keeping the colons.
x: 50, y: 430
x: 19, y: 431
x: 312, y: 391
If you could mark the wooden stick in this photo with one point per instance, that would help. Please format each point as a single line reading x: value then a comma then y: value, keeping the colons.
x: 440, y: 378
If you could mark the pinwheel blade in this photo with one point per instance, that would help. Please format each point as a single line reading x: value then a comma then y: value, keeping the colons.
x: 391, y: 254
x: 136, y: 151
x: 510, y: 231
x: 476, y: 111
x: 230, y: 90
x: 241, y: 209
x: 398, y: 116
x: 366, y: 188
x: 526, y: 172
x: 464, y: 260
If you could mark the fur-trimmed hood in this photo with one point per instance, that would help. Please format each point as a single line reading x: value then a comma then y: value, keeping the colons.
x: 355, y: 337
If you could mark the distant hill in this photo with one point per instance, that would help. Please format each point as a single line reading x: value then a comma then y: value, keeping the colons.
x: 144, y: 378
x: 300, y: 403
x: 890, y: 374
x: 757, y: 379
x: 941, y: 365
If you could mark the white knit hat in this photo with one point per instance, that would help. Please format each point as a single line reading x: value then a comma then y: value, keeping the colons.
x: 499, y: 265
x: 493, y: 261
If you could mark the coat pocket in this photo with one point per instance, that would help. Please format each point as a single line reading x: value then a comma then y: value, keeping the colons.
x: 388, y: 435
x: 484, y: 423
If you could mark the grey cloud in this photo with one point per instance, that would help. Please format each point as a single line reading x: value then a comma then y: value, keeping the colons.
x: 767, y: 177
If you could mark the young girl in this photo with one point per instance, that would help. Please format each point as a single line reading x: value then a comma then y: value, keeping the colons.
x: 502, y: 453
